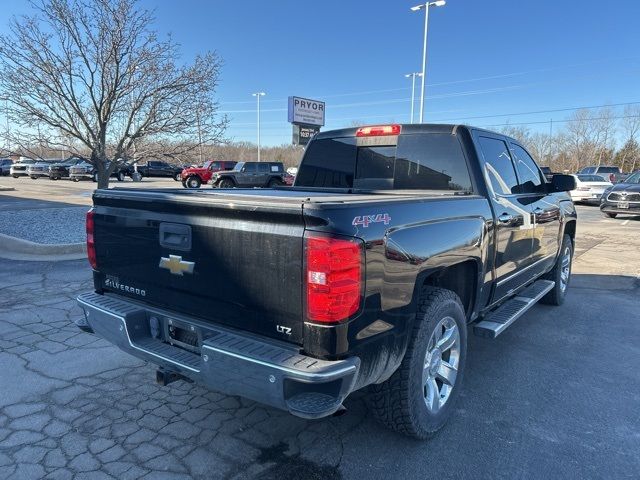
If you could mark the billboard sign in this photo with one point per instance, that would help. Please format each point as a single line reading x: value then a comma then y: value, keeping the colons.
x: 304, y: 111
x: 303, y: 133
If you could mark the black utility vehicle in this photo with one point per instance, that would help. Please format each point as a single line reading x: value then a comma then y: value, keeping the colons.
x: 250, y: 174
x: 623, y: 198
x: 61, y: 170
x: 367, y: 272
x: 157, y: 168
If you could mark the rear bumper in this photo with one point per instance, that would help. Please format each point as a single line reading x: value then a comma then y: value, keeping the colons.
x: 231, y: 362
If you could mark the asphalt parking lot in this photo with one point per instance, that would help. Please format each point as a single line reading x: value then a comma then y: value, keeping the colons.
x: 555, y: 396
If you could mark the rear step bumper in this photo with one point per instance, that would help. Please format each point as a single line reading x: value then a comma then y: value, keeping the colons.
x: 228, y: 361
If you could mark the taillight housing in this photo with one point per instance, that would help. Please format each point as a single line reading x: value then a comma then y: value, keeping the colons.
x: 91, y: 246
x: 333, y: 277
x: 378, y: 130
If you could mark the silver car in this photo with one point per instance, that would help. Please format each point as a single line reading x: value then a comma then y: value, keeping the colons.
x: 589, y: 188
x: 19, y: 169
x: 39, y: 169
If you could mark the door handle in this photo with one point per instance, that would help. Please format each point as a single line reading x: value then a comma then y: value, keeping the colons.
x: 538, y: 210
x: 505, y: 218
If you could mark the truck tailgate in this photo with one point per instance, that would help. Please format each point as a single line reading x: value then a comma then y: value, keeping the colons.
x: 246, y: 254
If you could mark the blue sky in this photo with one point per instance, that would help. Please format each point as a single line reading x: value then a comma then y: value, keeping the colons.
x: 484, y: 58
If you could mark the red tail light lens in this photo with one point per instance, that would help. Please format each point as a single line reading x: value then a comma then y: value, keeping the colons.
x: 378, y: 130
x: 91, y: 246
x: 333, y: 277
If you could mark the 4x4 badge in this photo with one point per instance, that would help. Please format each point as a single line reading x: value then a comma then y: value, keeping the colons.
x: 176, y: 265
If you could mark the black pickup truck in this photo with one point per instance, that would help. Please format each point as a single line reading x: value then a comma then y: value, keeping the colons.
x: 393, y: 241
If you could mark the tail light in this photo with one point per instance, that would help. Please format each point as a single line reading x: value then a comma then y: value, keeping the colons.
x: 378, y: 130
x: 91, y: 246
x: 333, y: 275
x: 612, y: 178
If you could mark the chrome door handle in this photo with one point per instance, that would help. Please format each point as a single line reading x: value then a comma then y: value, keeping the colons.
x: 538, y: 210
x: 505, y: 218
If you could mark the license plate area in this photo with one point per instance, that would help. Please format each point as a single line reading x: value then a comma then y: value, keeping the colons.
x: 182, y: 335
x: 623, y: 204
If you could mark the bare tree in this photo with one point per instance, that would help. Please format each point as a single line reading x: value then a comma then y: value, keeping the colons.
x: 630, y: 128
x: 97, y: 75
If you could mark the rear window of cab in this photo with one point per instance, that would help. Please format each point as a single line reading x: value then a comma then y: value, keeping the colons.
x: 424, y: 161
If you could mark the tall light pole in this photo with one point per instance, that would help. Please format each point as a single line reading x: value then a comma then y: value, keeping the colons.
x: 438, y: 3
x: 258, y: 95
x: 413, y: 89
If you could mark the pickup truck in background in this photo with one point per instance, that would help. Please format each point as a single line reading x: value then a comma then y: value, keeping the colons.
x: 157, y: 168
x: 194, y: 177
x: 609, y: 173
x: 367, y: 273
x: 250, y: 175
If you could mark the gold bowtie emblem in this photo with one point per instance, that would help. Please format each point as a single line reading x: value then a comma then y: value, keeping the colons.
x: 176, y: 265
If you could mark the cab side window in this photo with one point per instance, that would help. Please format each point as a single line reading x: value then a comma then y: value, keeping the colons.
x: 249, y: 168
x: 528, y: 172
x: 498, y: 166
x: 263, y: 168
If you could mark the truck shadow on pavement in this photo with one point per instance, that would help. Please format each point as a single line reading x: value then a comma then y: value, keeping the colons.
x: 73, y: 406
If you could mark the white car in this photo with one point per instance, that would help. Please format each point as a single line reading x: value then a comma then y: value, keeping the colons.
x: 589, y: 188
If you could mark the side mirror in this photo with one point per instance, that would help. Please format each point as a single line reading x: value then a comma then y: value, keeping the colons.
x: 563, y: 183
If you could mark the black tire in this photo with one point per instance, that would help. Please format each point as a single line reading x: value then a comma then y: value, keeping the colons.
x: 95, y: 178
x: 400, y: 402
x: 610, y: 215
x: 274, y: 183
x: 226, y: 183
x: 75, y: 179
x: 15, y: 176
x: 33, y: 177
x: 121, y: 176
x: 193, y: 182
x: 557, y: 294
x: 178, y: 177
x: 54, y: 178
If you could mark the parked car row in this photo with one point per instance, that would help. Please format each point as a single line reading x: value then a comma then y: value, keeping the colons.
x: 77, y: 169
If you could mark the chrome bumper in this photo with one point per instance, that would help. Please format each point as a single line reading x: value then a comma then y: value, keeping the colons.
x: 228, y: 361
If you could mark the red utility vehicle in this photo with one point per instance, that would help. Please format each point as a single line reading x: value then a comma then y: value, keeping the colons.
x: 193, y: 177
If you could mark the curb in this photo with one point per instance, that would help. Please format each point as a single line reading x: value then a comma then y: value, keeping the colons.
x: 14, y: 248
x: 7, y: 189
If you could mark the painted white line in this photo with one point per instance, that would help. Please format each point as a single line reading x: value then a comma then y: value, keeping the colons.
x: 625, y: 222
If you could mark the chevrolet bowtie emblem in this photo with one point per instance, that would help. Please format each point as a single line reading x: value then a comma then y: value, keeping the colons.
x: 176, y: 265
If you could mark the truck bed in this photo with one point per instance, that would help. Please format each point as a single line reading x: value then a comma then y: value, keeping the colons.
x: 246, y: 246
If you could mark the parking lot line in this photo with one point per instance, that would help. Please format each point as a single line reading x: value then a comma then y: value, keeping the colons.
x: 625, y: 222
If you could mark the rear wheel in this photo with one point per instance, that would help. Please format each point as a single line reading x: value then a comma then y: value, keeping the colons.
x: 561, y: 274
x: 121, y: 176
x: 95, y: 177
x: 611, y: 215
x: 33, y: 177
x: 226, y: 183
x: 193, y: 182
x: 419, y: 397
x: 274, y: 183
x: 178, y: 176
x: 15, y: 176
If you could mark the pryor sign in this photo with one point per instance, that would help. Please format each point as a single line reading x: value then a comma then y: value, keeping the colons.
x: 304, y: 111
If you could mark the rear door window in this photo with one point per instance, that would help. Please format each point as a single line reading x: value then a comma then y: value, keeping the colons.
x: 263, y: 168
x: 498, y: 165
x: 249, y: 168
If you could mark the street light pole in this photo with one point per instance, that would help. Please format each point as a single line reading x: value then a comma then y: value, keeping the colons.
x: 413, y: 89
x: 438, y: 3
x: 258, y: 95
